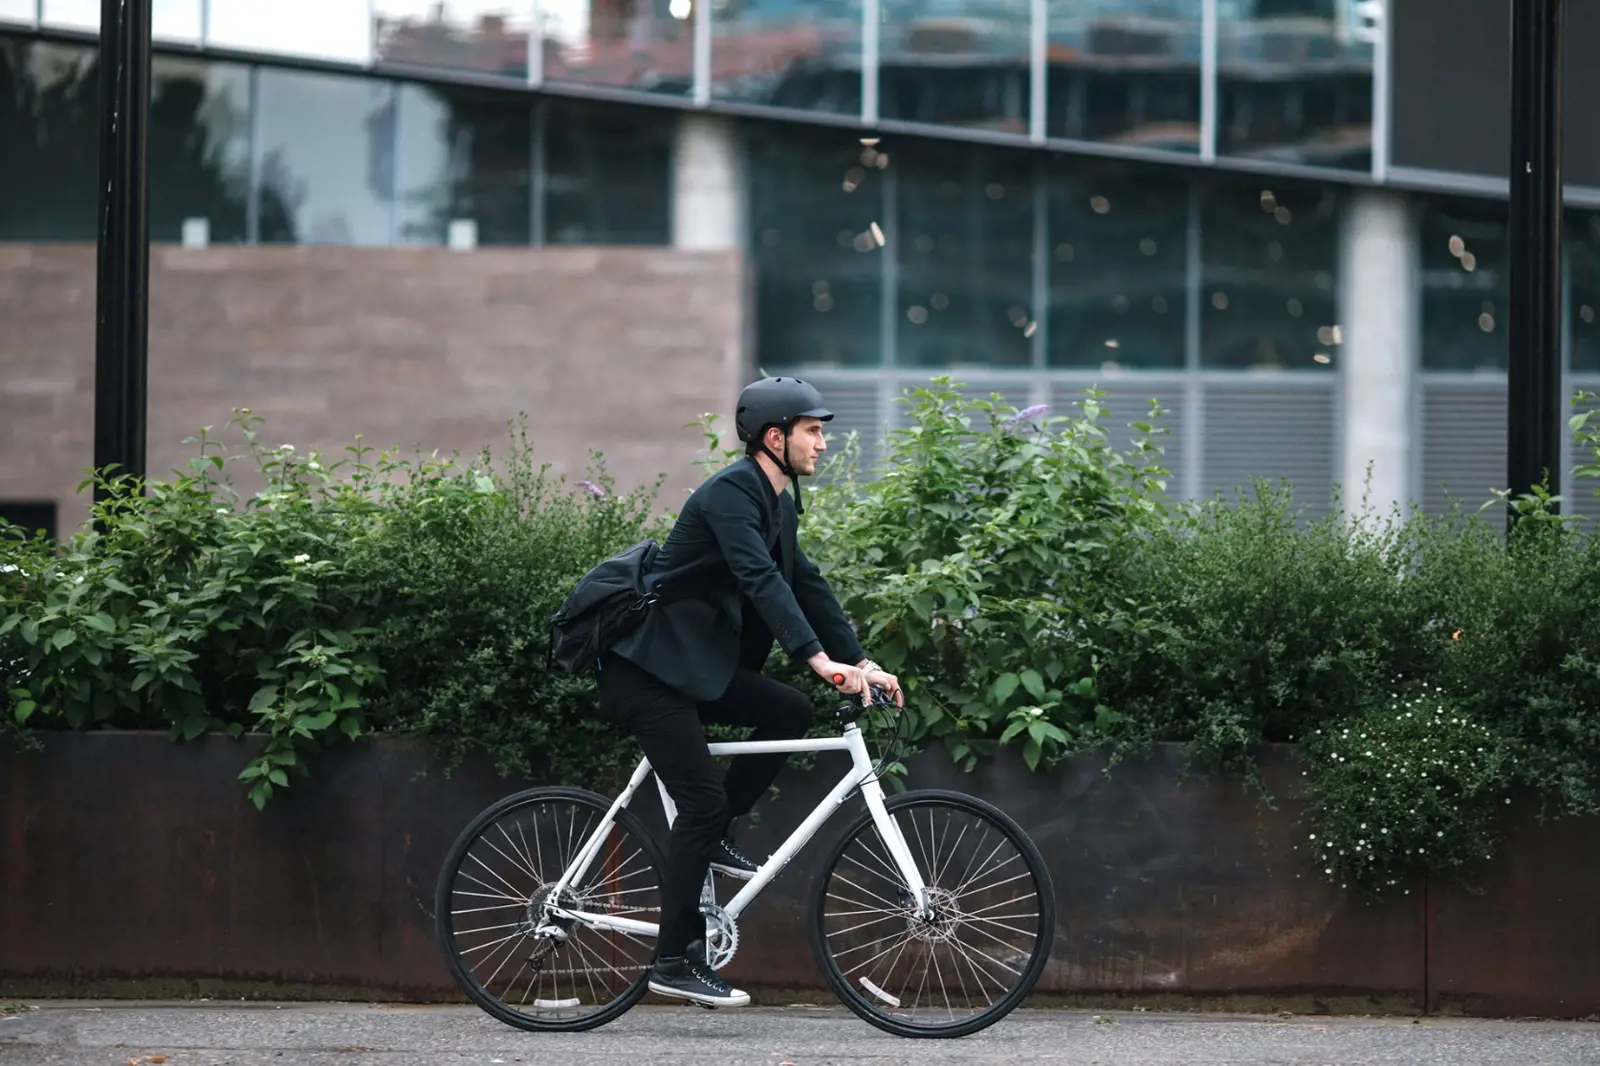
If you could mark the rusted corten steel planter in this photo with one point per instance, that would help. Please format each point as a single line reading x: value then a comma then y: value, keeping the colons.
x: 133, y: 864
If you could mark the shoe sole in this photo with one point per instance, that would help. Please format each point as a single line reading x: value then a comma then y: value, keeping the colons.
x: 739, y: 999
x: 733, y: 871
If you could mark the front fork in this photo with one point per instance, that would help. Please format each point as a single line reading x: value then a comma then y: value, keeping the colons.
x: 899, y: 851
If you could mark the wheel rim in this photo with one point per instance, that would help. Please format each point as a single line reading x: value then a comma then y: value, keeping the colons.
x: 976, y: 950
x: 541, y: 968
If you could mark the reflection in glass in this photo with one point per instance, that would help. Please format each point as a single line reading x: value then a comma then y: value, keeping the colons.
x: 17, y: 11
x: 484, y: 36
x: 788, y: 53
x: 170, y: 20
x: 199, y: 148
x: 462, y: 154
x: 1269, y: 260
x: 49, y: 115
x: 1118, y: 265
x: 607, y: 174
x: 1294, y: 83
x: 962, y: 65
x: 1125, y: 71
x: 627, y: 44
x: 1465, y: 288
x: 321, y: 29
x: 326, y: 166
x: 816, y: 214
x: 1583, y: 257
x: 963, y: 242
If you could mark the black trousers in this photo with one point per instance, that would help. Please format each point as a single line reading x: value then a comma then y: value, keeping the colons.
x: 669, y: 727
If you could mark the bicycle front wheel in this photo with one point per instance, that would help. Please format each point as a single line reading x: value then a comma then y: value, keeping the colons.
x: 511, y: 956
x: 980, y: 952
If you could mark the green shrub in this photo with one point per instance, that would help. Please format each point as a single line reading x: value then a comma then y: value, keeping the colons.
x: 401, y: 594
x: 980, y: 566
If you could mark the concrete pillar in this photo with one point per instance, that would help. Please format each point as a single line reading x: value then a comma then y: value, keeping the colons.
x: 708, y: 184
x: 1379, y: 298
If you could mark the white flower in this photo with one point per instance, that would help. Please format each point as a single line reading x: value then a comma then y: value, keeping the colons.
x: 302, y: 558
x: 222, y: 510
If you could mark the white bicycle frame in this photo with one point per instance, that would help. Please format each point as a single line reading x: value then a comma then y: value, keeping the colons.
x: 860, y: 776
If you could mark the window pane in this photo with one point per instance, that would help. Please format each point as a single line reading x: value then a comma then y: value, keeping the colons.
x: 326, y: 158
x: 1465, y: 289
x: 1118, y: 270
x: 1293, y: 83
x: 49, y: 115
x: 464, y: 154
x: 630, y: 44
x: 1125, y: 71
x: 17, y: 11
x: 484, y: 36
x: 814, y: 198
x: 961, y: 67
x: 1583, y: 254
x: 964, y: 243
x: 1269, y: 256
x: 609, y: 174
x: 170, y: 20
x: 324, y: 29
x: 199, y: 148
x: 804, y: 54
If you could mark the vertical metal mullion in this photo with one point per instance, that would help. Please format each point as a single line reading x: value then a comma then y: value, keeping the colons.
x: 38, y: 14
x: 396, y: 153
x: 871, y: 18
x: 372, y: 33
x: 1564, y: 482
x: 888, y: 318
x: 1382, y: 97
x: 538, y: 183
x: 1194, y: 389
x: 252, y: 206
x: 1041, y: 266
x: 1038, y: 70
x: 205, y: 23
x: 702, y: 52
x: 535, y: 70
x: 1208, y: 80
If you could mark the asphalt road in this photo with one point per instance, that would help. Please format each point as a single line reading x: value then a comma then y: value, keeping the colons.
x: 110, y: 1033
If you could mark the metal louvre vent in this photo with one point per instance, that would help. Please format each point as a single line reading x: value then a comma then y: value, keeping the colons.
x: 1463, y: 443
x: 1271, y: 431
x: 1128, y: 401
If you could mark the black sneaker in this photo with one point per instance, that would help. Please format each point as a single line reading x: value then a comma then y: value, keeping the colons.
x: 688, y: 977
x: 728, y: 861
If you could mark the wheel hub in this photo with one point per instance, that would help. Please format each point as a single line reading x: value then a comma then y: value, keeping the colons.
x: 944, y: 916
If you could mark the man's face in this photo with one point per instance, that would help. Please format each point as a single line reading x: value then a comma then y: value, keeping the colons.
x: 805, y: 444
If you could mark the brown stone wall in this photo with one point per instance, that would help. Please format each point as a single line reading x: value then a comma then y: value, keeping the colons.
x: 605, y: 348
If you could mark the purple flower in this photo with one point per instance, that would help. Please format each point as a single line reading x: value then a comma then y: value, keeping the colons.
x: 1027, y: 414
x: 591, y: 488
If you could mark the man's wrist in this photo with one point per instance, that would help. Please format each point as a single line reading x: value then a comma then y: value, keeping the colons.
x: 869, y: 665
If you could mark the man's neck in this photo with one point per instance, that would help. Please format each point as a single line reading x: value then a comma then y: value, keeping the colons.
x: 778, y: 478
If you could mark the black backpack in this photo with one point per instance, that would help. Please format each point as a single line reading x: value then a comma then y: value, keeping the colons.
x: 609, y: 602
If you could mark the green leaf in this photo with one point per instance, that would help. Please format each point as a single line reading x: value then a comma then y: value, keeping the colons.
x: 193, y: 726
x: 265, y: 697
x: 25, y: 709
x: 278, y: 777
x: 1012, y: 730
x: 101, y: 621
x: 30, y: 631
x: 1033, y: 683
x: 350, y: 727
x: 1004, y: 686
x: 10, y: 622
x: 63, y: 637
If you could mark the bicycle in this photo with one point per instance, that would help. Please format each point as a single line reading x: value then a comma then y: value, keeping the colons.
x: 595, y: 931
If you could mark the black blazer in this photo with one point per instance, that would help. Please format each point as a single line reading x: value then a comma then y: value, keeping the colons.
x: 735, y: 540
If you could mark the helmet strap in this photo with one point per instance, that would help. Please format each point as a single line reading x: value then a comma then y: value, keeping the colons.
x: 785, y: 468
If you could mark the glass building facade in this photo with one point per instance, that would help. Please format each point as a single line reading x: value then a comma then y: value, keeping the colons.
x: 1162, y: 197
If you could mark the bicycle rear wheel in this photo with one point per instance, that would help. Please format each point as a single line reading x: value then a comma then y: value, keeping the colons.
x: 986, y: 943
x: 509, y: 956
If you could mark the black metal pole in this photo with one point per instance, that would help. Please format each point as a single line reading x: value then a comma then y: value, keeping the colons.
x: 122, y: 295
x: 1534, y: 373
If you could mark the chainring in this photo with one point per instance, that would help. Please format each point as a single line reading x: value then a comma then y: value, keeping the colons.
x: 722, y: 935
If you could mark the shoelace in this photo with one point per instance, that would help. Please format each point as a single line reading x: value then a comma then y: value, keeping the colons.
x: 708, y: 976
x: 737, y: 854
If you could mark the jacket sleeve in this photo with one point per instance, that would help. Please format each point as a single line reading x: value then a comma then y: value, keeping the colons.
x: 823, y: 611
x: 734, y: 518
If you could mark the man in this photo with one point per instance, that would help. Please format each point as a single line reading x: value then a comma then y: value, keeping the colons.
x: 733, y: 579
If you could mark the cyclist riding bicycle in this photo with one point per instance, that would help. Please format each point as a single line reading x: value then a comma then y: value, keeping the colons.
x: 739, y: 581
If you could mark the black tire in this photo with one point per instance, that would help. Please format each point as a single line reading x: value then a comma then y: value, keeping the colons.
x: 445, y: 910
x: 939, y: 933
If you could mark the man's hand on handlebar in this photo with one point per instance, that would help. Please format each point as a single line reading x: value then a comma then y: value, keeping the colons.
x: 886, y: 682
x: 854, y: 680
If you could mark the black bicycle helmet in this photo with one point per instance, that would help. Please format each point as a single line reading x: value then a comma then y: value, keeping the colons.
x: 778, y: 402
